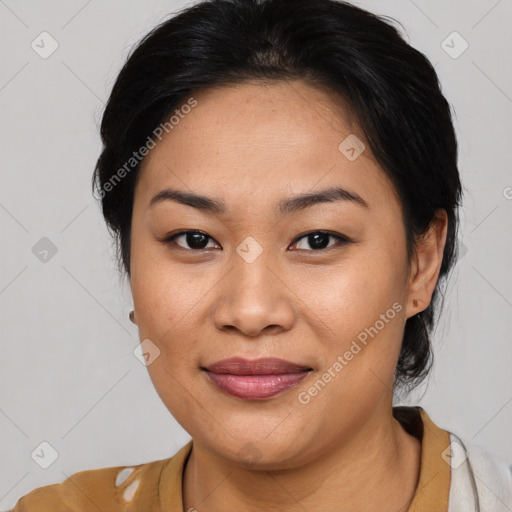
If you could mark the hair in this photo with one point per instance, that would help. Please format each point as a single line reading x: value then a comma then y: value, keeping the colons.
x: 392, y: 89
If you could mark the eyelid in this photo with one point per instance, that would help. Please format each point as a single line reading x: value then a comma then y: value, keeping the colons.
x: 342, y: 239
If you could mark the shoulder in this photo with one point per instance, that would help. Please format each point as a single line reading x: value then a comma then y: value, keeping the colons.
x: 109, y: 489
x: 479, y: 479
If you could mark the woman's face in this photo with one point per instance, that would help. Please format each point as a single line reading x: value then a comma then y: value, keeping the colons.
x: 256, y: 286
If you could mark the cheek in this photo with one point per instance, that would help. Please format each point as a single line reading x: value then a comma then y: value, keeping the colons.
x: 362, y: 307
x: 164, y: 294
x: 352, y: 295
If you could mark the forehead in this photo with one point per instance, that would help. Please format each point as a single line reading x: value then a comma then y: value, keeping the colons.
x: 262, y: 140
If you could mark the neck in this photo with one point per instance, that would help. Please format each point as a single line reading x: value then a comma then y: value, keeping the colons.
x: 376, y: 469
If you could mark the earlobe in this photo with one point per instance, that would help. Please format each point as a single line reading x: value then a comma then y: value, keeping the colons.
x: 426, y: 264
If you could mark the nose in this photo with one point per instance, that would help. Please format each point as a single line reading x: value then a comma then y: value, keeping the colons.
x: 253, y: 300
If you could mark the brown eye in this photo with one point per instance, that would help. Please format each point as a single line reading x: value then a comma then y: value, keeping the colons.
x: 196, y: 240
x: 319, y: 240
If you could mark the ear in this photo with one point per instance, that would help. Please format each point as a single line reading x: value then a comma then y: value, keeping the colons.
x: 426, y: 264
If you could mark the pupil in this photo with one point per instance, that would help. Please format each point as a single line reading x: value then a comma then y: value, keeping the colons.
x: 193, y: 240
x: 314, y: 240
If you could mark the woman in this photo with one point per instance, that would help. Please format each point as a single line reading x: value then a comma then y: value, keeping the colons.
x: 281, y: 180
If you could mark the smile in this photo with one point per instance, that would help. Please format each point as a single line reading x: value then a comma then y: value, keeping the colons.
x: 257, y: 379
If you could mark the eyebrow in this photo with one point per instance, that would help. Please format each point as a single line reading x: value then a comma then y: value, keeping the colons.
x: 285, y: 207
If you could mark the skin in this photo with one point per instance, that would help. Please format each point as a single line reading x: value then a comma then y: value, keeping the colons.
x: 252, y: 145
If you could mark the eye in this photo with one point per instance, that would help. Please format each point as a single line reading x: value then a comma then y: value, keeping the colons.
x: 319, y: 240
x: 196, y: 240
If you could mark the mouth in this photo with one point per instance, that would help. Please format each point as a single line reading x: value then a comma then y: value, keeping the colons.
x: 255, y: 379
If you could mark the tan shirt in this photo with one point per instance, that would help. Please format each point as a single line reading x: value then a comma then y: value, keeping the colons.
x: 157, y: 486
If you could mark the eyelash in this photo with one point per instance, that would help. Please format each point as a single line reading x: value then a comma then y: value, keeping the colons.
x: 342, y: 240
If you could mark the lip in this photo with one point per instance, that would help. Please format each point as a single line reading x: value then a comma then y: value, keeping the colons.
x: 255, y: 379
x: 262, y: 366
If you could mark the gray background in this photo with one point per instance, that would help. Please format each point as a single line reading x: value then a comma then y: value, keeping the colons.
x: 68, y: 373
